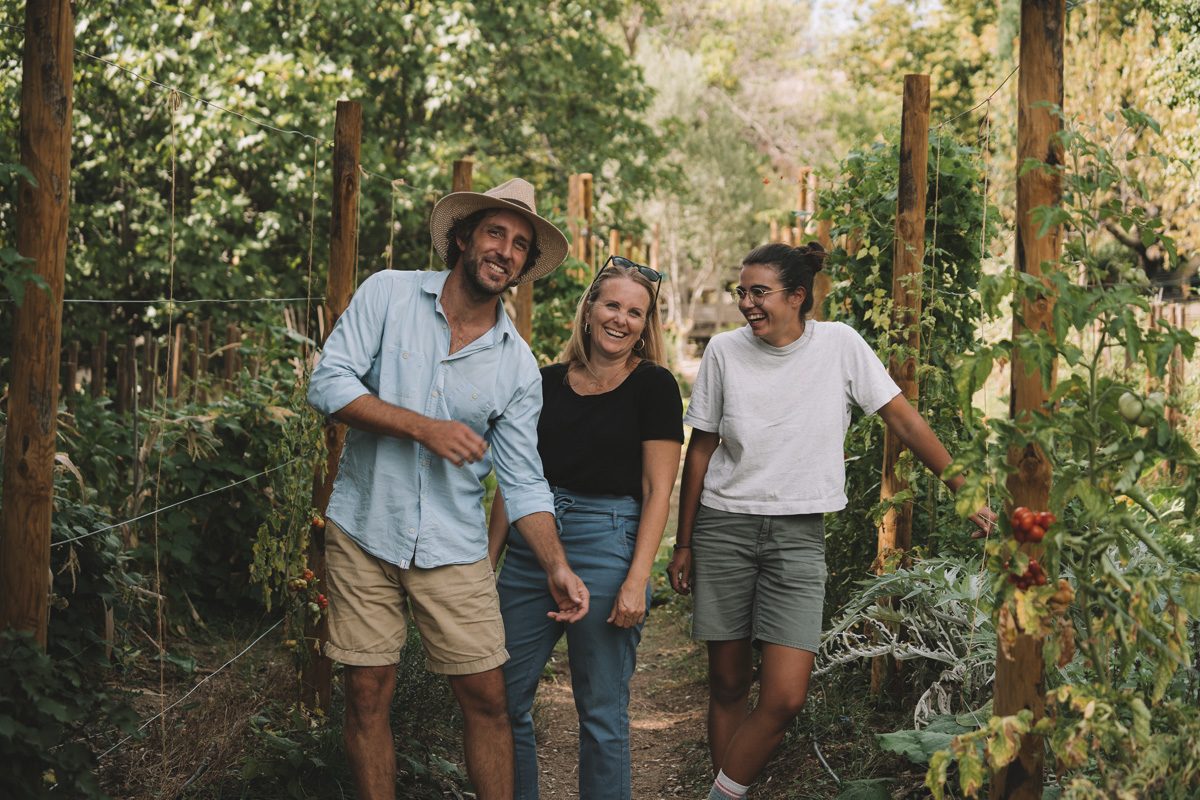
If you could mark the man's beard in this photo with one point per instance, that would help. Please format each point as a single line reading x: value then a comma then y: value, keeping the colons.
x: 470, y: 265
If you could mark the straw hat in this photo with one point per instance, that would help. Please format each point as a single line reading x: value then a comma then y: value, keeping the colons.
x: 514, y: 195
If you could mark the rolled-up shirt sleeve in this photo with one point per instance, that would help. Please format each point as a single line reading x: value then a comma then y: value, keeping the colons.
x: 515, y: 455
x: 351, y: 349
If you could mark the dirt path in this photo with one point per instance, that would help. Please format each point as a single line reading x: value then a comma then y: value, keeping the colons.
x: 667, y: 702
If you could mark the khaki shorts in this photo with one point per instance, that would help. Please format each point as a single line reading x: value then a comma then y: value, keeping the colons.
x: 455, y: 608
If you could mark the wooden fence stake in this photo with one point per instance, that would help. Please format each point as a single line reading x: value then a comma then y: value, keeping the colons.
x: 588, y: 254
x: 71, y: 373
x: 895, y: 531
x: 461, y: 176
x: 122, y: 403
x: 231, y: 358
x: 47, y: 85
x: 614, y: 243
x: 100, y: 365
x: 1020, y: 677
x: 316, y: 681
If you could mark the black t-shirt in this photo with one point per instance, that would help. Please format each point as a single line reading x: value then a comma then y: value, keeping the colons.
x: 592, y: 444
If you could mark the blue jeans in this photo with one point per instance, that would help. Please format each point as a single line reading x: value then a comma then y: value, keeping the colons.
x: 598, y: 535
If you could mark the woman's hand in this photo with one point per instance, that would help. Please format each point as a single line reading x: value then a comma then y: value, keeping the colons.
x: 630, y: 607
x: 985, y: 522
x: 680, y: 570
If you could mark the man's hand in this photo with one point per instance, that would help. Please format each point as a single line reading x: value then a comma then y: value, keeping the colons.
x: 569, y: 592
x: 679, y: 571
x: 629, y: 609
x: 985, y: 519
x: 452, y: 440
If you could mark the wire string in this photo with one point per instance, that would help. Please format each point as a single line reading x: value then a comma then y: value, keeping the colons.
x: 192, y: 691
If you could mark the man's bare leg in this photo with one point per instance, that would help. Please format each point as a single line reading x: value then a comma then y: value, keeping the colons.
x: 368, y: 730
x: 487, y: 735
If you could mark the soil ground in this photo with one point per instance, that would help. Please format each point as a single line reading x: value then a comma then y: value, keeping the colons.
x: 668, y: 697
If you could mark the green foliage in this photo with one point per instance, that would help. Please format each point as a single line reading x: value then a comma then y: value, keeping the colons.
x: 1133, y: 599
x: 863, y: 207
x: 45, y: 703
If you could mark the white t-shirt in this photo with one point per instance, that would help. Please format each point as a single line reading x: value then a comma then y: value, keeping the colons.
x: 782, y: 415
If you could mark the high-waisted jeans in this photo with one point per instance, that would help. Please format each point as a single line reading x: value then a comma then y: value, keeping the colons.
x: 598, y: 534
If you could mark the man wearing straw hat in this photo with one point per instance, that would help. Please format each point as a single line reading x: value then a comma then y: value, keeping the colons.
x: 437, y: 387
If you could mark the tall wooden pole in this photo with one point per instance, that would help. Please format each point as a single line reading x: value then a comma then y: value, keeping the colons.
x: 42, y: 217
x: 822, y: 283
x: 895, y: 531
x: 461, y: 180
x: 1020, y: 678
x: 524, y: 309
x: 585, y: 208
x: 316, y: 681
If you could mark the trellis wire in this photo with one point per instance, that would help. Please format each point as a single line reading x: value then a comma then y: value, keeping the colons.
x: 191, y: 691
x: 157, y: 511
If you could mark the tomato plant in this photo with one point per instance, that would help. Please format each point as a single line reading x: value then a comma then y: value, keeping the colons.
x: 1112, y: 595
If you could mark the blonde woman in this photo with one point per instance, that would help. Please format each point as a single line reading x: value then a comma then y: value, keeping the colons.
x: 610, y: 436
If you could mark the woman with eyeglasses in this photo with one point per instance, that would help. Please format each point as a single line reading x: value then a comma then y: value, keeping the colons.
x: 769, y: 413
x: 610, y: 437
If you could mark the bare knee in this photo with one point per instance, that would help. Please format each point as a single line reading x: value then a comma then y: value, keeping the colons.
x: 369, y: 692
x: 783, y: 706
x: 481, y: 696
x: 730, y: 687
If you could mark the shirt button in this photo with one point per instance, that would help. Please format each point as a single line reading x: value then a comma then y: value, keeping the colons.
x: 435, y: 392
x: 412, y: 530
x: 474, y: 395
x: 404, y: 355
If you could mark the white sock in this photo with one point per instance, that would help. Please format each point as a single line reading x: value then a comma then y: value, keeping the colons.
x: 726, y: 788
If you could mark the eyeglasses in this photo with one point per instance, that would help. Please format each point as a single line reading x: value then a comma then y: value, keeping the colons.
x: 757, y: 293
x: 652, y: 275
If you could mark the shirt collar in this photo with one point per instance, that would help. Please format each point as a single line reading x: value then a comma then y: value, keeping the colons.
x: 435, y: 282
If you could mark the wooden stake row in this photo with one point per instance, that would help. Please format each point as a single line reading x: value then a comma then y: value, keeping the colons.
x: 190, y: 355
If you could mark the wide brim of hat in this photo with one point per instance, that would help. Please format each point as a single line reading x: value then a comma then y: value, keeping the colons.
x: 551, y: 242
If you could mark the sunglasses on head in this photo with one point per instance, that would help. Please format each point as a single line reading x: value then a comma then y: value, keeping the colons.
x: 652, y: 275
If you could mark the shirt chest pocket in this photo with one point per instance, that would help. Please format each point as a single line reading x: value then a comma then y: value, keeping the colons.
x: 401, y: 373
x: 469, y: 405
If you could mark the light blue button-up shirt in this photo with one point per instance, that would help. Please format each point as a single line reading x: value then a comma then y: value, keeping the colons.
x: 398, y: 500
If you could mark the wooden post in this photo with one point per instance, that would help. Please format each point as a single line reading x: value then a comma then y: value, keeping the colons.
x: 205, y: 345
x: 194, y: 364
x: 1175, y: 375
x: 100, y: 365
x: 1020, y: 679
x: 822, y: 283
x: 317, y: 677
x: 122, y: 404
x: 773, y: 236
x: 47, y: 84
x: 231, y: 359
x: 895, y: 531
x: 524, y: 309
x: 131, y: 376
x: 802, y: 200
x: 461, y: 180
x: 575, y: 214
x: 588, y: 254
x: 151, y: 370
x: 614, y: 243
x: 175, y: 364
x: 810, y: 204
x: 71, y: 373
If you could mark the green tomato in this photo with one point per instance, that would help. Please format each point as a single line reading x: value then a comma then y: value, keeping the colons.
x: 1146, y: 418
x: 1130, y: 407
x: 1156, y: 402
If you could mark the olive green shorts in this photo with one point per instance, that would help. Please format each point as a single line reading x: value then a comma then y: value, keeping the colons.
x: 758, y: 577
x: 455, y: 608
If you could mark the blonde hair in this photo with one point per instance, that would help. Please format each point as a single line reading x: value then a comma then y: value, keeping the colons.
x: 579, y: 347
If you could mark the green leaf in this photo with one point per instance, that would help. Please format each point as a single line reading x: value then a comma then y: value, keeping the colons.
x: 916, y: 746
